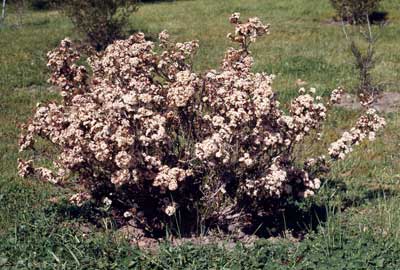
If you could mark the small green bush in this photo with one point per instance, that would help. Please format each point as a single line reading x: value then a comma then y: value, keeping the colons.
x: 364, y: 62
x: 102, y: 21
x: 355, y: 11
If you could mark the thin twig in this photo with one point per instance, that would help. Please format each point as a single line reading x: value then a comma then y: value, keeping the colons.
x: 3, y: 12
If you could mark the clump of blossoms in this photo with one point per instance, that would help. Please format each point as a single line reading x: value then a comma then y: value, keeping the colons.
x: 366, y: 127
x: 150, y: 138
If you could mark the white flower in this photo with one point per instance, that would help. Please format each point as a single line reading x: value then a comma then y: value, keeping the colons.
x: 170, y: 210
x: 107, y: 201
x: 127, y: 214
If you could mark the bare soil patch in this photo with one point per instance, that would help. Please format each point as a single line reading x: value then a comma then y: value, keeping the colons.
x: 388, y: 102
x: 229, y: 242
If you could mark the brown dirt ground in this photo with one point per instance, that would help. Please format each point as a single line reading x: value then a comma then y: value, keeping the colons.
x: 388, y: 102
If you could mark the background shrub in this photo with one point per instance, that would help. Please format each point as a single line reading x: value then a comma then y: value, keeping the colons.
x: 101, y: 21
x: 355, y: 11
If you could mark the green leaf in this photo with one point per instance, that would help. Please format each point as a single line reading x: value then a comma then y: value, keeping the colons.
x: 380, y: 262
x: 3, y: 261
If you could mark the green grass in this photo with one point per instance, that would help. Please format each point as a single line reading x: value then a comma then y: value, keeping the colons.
x: 362, y: 230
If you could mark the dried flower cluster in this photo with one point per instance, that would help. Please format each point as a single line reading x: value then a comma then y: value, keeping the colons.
x: 149, y: 136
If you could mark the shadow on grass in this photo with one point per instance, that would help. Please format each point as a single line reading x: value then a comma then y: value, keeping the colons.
x: 296, y: 218
x: 155, y: 1
x: 41, y: 22
x: 300, y: 218
x: 293, y: 220
x: 87, y: 213
x: 378, y: 17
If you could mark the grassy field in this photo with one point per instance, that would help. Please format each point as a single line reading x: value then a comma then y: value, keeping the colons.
x: 359, y: 227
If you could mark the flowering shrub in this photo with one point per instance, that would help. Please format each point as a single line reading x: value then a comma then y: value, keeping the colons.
x: 152, y: 139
